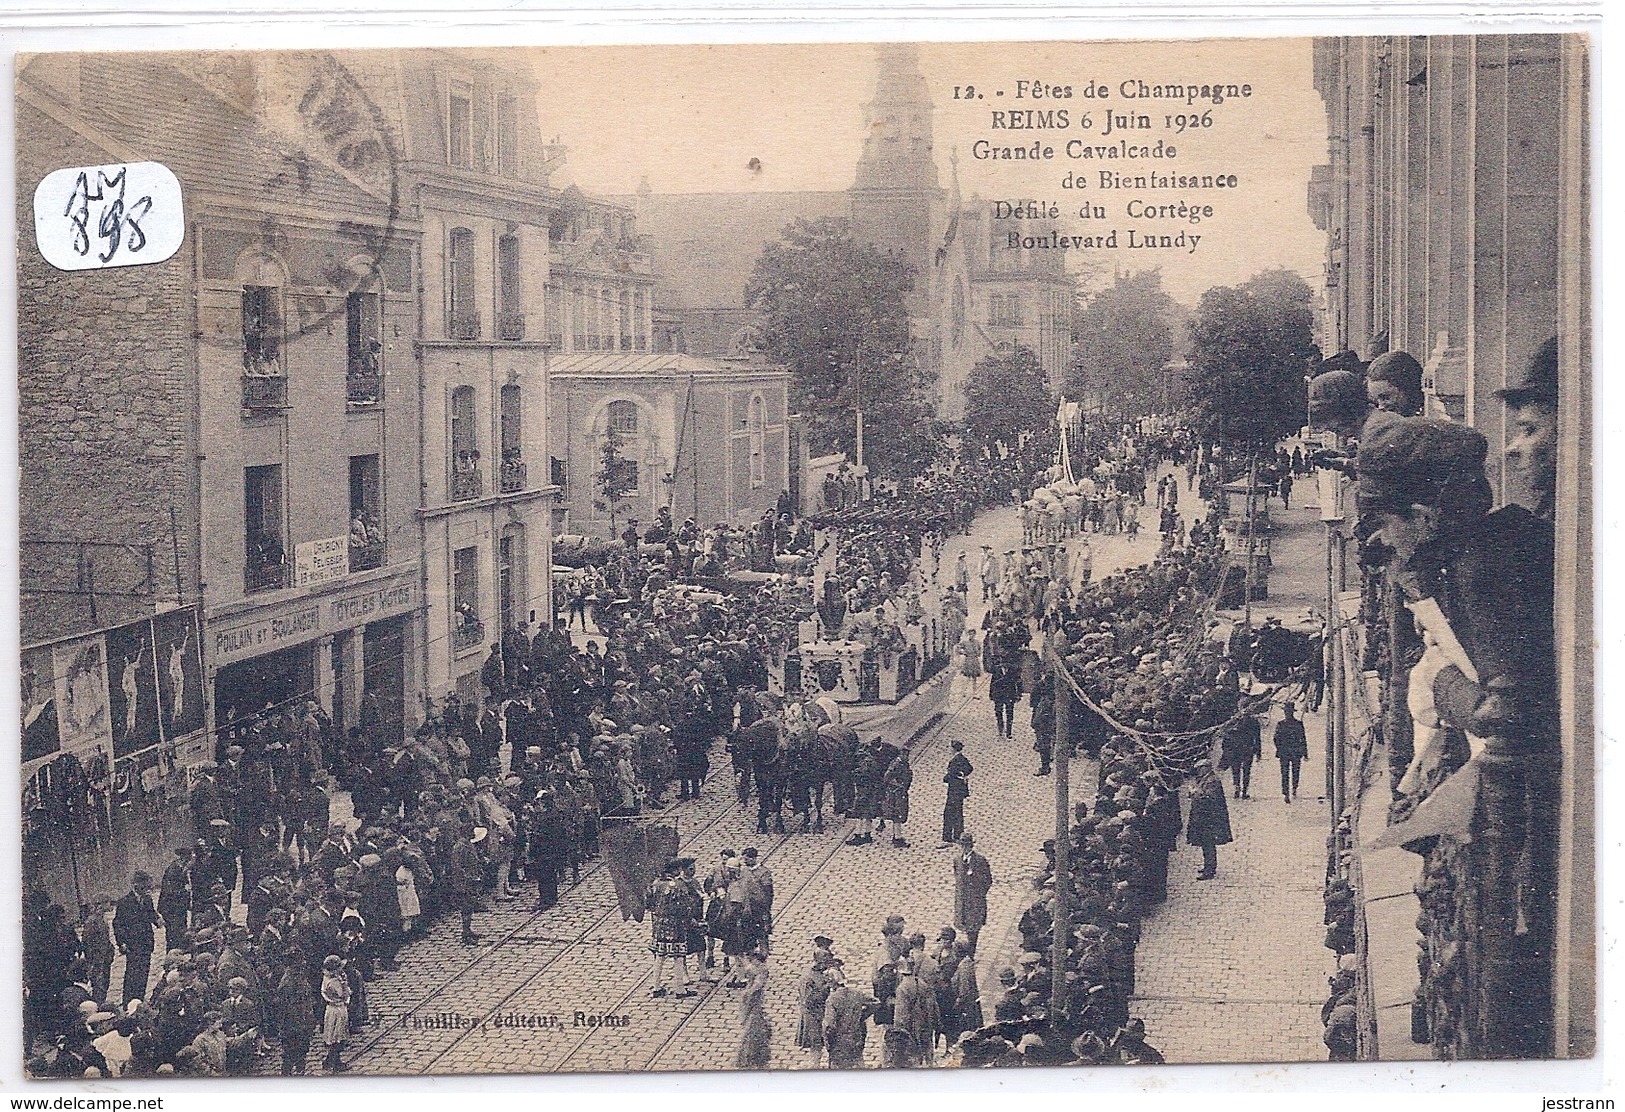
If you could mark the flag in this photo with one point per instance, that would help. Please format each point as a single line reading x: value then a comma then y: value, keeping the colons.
x: 635, y: 853
x: 1448, y: 811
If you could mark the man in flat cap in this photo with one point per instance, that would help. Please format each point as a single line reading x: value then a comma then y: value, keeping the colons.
x: 1422, y: 484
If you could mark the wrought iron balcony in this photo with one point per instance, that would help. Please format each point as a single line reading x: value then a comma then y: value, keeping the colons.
x: 511, y: 326
x: 467, y: 484
x: 465, y: 325
x: 513, y: 476
x: 264, y: 577
x: 265, y: 391
x: 363, y: 383
x: 466, y: 636
x: 366, y: 557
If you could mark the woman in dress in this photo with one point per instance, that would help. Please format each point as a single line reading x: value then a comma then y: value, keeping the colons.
x: 335, y: 1013
x: 755, y: 1049
x: 970, y: 655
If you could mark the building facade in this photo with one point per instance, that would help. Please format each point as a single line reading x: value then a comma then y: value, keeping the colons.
x: 474, y: 173
x: 711, y: 438
x: 1456, y: 205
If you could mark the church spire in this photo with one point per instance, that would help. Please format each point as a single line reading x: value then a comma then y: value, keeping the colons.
x: 897, y: 149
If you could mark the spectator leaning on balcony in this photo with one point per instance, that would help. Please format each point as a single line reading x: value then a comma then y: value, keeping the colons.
x: 1421, y: 482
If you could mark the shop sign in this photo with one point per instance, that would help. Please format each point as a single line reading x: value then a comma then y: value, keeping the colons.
x: 318, y: 562
x: 310, y: 619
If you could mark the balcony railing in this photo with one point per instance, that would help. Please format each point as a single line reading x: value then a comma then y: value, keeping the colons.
x: 465, y: 325
x: 466, y: 636
x: 513, y: 476
x: 265, y: 391
x: 467, y: 484
x: 264, y: 577
x: 366, y: 557
x: 363, y: 382
x: 510, y: 326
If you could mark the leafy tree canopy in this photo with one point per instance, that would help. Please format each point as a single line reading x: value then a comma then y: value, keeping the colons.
x: 1007, y: 394
x: 1122, y: 339
x: 833, y: 312
x: 1249, y: 347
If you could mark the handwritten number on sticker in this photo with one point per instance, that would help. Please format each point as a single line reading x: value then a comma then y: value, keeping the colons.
x: 115, y: 224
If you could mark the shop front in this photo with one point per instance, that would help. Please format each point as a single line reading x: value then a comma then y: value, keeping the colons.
x: 349, y: 649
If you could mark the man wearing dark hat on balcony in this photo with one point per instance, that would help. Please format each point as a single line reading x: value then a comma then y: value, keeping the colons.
x: 1422, y: 483
x: 1393, y: 383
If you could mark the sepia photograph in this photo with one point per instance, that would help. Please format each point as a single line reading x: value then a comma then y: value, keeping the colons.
x: 826, y: 556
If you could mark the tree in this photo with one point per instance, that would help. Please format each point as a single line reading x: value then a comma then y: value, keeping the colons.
x: 1007, y: 394
x: 1122, y: 341
x: 833, y: 312
x: 614, y: 479
x: 1249, y: 345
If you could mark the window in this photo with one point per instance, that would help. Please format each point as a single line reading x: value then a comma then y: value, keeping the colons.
x: 262, y: 330
x: 364, y: 349
x: 554, y: 309
x: 626, y: 321
x: 507, y: 136
x: 265, y: 557
x: 578, y: 319
x: 460, y: 128
x: 467, y: 631
x: 628, y: 470
x: 464, y: 318
x: 623, y: 417
x: 366, y: 529
x: 467, y: 480
x: 513, y: 456
x: 640, y: 334
x: 758, y: 441
x: 511, y: 575
x: 510, y: 301
x: 1004, y: 310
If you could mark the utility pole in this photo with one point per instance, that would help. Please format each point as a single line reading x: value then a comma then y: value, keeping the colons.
x: 1252, y: 504
x: 1061, y: 759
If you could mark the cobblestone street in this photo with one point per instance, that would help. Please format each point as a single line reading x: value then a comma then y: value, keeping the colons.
x: 453, y: 1009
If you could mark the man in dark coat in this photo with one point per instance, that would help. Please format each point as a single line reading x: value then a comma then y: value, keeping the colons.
x: 899, y: 780
x: 549, y: 849
x: 1243, y: 743
x: 294, y: 1012
x: 973, y: 879
x: 175, y: 893
x: 465, y: 876
x: 1291, y: 749
x: 953, y: 809
x: 134, y: 921
x: 381, y: 909
x: 1209, y: 822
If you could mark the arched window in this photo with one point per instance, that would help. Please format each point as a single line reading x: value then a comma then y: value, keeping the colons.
x: 463, y: 322
x: 623, y: 418
x: 758, y: 441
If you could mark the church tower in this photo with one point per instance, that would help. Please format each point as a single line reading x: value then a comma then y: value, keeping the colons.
x: 896, y: 199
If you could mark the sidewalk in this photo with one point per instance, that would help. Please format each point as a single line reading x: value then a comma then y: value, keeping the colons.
x: 1234, y: 969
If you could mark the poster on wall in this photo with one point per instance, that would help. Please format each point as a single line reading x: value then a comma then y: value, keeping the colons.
x: 180, y: 672
x: 80, y: 669
x: 132, y: 687
x: 41, y: 737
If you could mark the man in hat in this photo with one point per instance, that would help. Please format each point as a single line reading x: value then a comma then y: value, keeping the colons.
x: 1009, y: 1005
x: 1242, y: 744
x: 1209, y: 822
x: 813, y: 996
x: 1531, y: 412
x: 1291, y: 749
x: 957, y: 777
x: 175, y: 893
x: 973, y: 879
x: 465, y: 878
x: 1422, y: 484
x: 134, y: 921
x: 845, y: 1021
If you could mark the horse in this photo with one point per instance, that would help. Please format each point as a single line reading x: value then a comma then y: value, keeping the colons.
x: 758, y: 751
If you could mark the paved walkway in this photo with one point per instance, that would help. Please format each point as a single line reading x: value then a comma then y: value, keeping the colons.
x: 1234, y: 969
x: 449, y: 1009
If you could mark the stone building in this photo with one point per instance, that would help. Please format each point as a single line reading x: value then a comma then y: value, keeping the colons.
x: 710, y: 437
x: 474, y: 180
x: 259, y: 395
x: 1456, y: 205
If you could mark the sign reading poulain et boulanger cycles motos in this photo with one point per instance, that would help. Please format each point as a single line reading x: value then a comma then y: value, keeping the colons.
x: 231, y: 640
